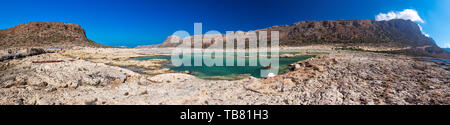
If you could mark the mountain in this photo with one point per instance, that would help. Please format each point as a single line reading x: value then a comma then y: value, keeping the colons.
x: 394, y: 33
x: 45, y: 34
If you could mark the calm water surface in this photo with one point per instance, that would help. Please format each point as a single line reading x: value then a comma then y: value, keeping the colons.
x: 229, y: 72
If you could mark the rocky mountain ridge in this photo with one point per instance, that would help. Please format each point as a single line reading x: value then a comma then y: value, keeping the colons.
x: 394, y: 33
x: 45, y: 34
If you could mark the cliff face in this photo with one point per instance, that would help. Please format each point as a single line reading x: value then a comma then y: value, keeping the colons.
x: 168, y: 43
x: 393, y: 33
x: 45, y: 34
x: 350, y: 31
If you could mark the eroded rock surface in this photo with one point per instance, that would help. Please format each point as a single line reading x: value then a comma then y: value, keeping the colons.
x: 363, y: 78
x: 63, y: 73
x: 349, y: 78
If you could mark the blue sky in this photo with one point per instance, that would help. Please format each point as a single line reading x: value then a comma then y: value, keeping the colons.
x: 143, y: 22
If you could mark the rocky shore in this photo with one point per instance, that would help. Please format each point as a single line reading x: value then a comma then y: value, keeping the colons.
x: 92, y: 76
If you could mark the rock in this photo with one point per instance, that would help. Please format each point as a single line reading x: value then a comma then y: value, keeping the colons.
x: 45, y: 101
x: 383, y: 34
x: 90, y: 81
x: 155, y: 80
x: 74, y: 85
x: 35, y: 82
x: 91, y: 101
x: 144, y: 92
x: 297, y: 66
x: 151, y: 64
x: 50, y: 89
x: 287, y: 55
x: 9, y: 82
x: 21, y: 53
x: 317, y: 67
x: 268, y: 67
x: 35, y: 51
x: 187, y: 72
x: 288, y: 81
x: 158, y: 71
x: 20, y: 102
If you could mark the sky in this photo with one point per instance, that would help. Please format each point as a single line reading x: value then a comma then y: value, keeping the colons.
x: 144, y: 22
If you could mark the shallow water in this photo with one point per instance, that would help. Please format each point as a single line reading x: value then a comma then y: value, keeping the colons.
x: 229, y: 72
x: 439, y: 61
x: 436, y: 60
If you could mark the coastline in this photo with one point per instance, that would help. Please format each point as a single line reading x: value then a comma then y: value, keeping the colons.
x: 337, y: 77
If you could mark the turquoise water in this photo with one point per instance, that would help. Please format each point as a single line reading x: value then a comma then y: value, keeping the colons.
x: 440, y: 61
x: 436, y: 60
x: 229, y: 72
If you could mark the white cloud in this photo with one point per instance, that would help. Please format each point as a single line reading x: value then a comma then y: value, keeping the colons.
x: 427, y: 35
x: 407, y: 14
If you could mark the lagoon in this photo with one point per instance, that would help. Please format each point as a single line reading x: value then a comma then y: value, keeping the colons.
x: 229, y: 72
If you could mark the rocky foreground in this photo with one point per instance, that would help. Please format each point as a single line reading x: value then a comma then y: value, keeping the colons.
x: 340, y: 77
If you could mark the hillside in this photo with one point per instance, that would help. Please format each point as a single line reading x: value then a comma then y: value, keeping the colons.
x: 393, y: 33
x: 45, y: 34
